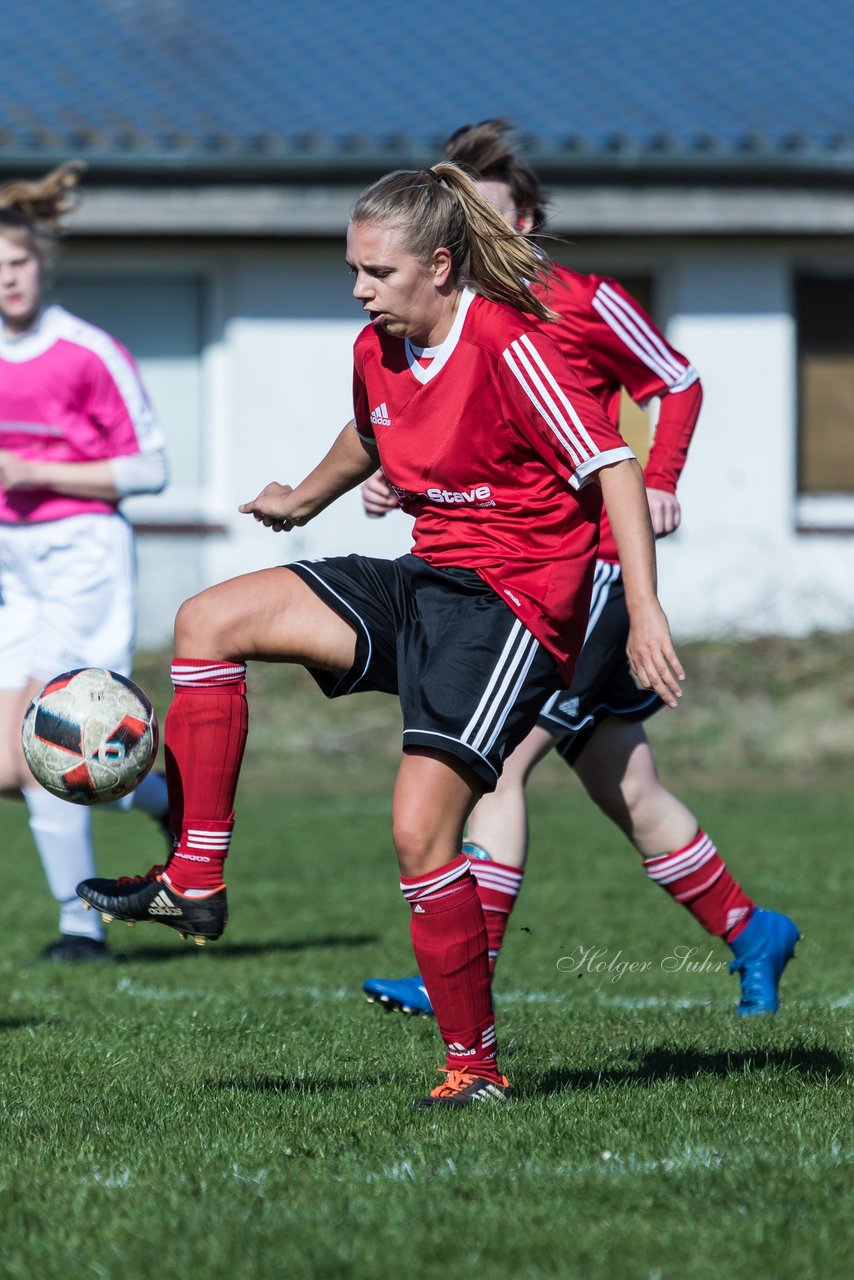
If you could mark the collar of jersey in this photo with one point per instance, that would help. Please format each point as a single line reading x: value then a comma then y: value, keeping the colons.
x: 439, y: 356
x: 41, y: 335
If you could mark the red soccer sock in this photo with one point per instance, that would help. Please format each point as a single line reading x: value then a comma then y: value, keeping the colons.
x: 449, y: 940
x: 498, y: 888
x: 204, y: 737
x: 697, y: 877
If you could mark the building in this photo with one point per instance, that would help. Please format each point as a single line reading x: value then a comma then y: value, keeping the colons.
x: 703, y: 154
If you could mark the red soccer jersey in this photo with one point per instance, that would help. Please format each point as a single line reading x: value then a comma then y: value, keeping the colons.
x: 488, y: 441
x: 611, y: 343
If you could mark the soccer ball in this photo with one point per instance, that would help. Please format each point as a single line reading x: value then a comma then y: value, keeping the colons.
x: 90, y: 736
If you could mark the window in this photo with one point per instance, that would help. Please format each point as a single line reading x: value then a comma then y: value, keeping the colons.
x: 825, y: 323
x: 160, y: 323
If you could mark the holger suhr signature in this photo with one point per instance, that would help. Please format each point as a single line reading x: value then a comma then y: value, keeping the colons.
x: 600, y: 960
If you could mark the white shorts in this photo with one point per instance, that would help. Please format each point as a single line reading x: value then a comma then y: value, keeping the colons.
x: 67, y: 597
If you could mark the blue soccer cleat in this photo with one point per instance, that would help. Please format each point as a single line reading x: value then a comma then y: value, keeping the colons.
x: 762, y: 950
x: 402, y: 995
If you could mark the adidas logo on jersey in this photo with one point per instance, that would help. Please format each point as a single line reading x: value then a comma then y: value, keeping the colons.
x: 379, y: 416
x: 161, y: 906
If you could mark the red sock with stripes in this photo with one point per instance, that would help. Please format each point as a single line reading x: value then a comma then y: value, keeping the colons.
x: 498, y: 888
x: 449, y: 940
x: 697, y: 877
x: 204, y: 736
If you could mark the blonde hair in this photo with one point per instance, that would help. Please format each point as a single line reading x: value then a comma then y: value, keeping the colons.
x: 443, y: 208
x: 36, y: 209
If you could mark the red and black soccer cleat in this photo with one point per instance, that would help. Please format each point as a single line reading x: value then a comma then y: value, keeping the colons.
x: 460, y: 1089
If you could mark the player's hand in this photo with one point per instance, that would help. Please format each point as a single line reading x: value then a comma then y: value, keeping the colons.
x: 378, y: 496
x: 652, y: 658
x: 665, y: 512
x: 274, y: 508
x: 15, y: 472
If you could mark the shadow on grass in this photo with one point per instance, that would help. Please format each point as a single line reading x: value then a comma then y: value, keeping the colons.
x: 241, y: 950
x: 279, y: 1084
x: 20, y: 1024
x: 809, y: 1064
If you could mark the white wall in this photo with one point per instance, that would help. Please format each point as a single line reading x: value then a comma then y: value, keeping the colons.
x: 289, y: 338
x: 738, y: 563
x: 275, y: 374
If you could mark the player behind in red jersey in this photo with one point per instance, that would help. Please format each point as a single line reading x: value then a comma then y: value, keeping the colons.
x: 595, y: 723
x: 77, y: 434
x: 502, y: 457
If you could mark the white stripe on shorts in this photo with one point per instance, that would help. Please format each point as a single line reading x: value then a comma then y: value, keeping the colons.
x: 508, y: 676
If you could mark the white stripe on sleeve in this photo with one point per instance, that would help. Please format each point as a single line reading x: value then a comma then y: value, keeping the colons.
x: 634, y: 332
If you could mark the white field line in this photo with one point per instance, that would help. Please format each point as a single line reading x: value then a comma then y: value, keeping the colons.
x: 608, y: 1163
x: 127, y: 986
x: 121, y: 1179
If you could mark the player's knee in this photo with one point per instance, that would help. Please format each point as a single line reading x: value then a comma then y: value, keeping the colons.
x: 200, y: 627
x: 417, y: 848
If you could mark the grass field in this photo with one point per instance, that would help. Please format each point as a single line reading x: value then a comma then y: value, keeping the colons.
x: 239, y: 1111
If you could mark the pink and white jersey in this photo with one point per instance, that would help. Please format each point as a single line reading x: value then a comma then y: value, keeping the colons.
x: 488, y: 440
x: 611, y: 343
x: 69, y: 393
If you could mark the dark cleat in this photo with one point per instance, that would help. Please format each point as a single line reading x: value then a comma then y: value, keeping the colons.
x: 74, y: 948
x: 151, y: 898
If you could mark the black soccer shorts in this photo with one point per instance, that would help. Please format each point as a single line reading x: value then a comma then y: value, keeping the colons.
x: 470, y: 677
x: 602, y: 683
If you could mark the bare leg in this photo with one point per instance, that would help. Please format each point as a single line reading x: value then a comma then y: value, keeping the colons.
x: 617, y: 769
x: 433, y: 796
x: 270, y: 615
x: 499, y: 822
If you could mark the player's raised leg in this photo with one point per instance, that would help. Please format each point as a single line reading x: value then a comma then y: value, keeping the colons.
x: 270, y: 615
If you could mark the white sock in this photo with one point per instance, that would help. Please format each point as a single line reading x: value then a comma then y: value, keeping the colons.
x: 151, y: 796
x: 63, y: 836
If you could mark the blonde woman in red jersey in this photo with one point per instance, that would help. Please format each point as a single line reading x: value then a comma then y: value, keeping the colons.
x: 502, y: 457
x: 596, y: 723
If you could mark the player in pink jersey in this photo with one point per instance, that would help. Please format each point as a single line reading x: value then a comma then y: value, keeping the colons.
x: 596, y: 722
x: 503, y: 458
x: 77, y: 435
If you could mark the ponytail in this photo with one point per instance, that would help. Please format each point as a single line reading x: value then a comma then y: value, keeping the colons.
x: 443, y: 208
x: 39, y: 206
